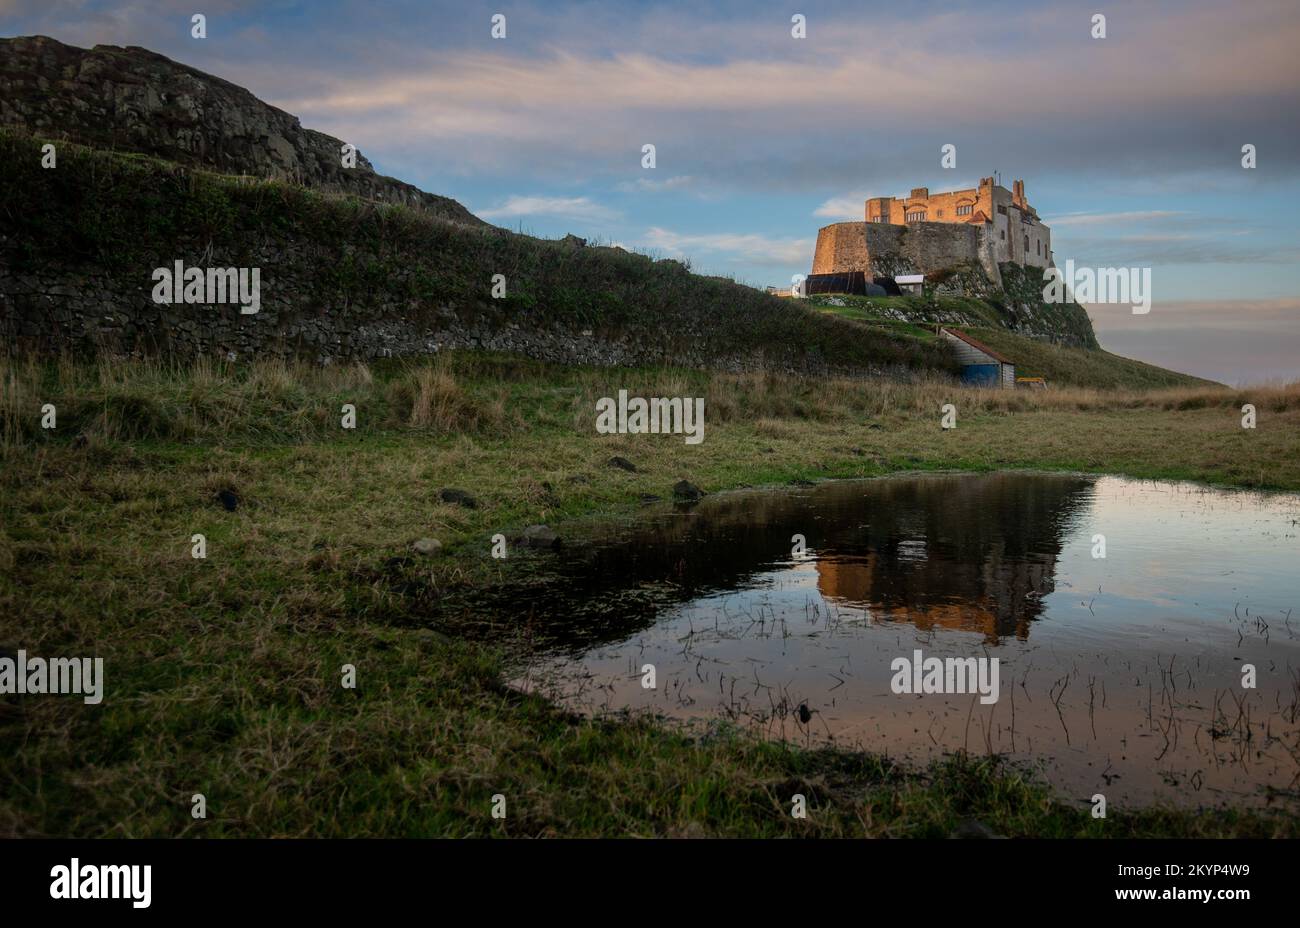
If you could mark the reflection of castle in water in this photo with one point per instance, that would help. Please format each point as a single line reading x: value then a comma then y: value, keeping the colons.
x: 958, y: 551
x: 976, y: 554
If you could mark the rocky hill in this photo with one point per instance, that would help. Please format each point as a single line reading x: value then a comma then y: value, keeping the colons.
x: 132, y: 99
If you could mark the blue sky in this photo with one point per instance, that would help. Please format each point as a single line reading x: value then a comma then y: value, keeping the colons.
x: 1130, y: 146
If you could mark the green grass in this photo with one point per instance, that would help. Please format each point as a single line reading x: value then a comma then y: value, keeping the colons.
x: 223, y: 674
x: 1077, y: 367
x: 885, y: 310
x: 1061, y: 365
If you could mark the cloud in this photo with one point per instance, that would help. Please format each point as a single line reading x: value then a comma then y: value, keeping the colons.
x: 1281, y: 316
x: 848, y: 208
x: 1111, y: 219
x: 1218, y: 340
x: 646, y: 185
x: 1167, y: 237
x: 1136, y: 95
x: 581, y: 208
x: 733, y: 102
x: 738, y: 246
x: 1159, y: 250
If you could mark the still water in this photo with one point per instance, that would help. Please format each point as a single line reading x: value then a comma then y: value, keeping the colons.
x: 1120, y: 675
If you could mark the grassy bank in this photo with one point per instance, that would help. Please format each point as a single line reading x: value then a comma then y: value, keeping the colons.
x: 223, y: 674
x: 1076, y: 367
x: 1061, y: 365
x: 112, y: 218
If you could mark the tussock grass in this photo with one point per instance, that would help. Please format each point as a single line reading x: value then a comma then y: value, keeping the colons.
x: 125, y: 400
x: 119, y: 400
x: 437, y: 401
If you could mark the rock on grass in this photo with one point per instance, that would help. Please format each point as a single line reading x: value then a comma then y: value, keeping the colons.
x: 686, y: 492
x: 458, y: 498
x: 538, y: 536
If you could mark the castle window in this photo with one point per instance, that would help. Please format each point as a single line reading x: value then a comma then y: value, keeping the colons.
x: 1038, y: 248
x: 1026, y: 244
x: 939, y: 214
x: 918, y: 216
x: 966, y: 210
x: 1002, y: 210
x: 1003, y: 234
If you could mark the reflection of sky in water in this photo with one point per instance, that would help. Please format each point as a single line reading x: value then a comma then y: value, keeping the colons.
x: 1120, y: 672
x: 1178, y: 553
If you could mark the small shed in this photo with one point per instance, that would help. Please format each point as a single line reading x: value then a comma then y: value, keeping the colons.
x: 854, y: 283
x: 981, y: 366
x: 910, y: 283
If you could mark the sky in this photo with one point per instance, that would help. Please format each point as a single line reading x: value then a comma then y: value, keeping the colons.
x: 1130, y: 145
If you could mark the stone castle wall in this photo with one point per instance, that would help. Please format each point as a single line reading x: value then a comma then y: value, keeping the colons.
x: 884, y: 250
x: 841, y: 247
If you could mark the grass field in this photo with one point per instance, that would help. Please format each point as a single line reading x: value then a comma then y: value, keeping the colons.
x: 223, y: 674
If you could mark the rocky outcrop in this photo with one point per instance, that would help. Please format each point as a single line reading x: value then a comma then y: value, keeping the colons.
x: 1024, y: 310
x: 958, y: 260
x: 132, y: 99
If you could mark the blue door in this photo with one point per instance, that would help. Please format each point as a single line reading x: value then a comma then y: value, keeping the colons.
x: 982, y: 375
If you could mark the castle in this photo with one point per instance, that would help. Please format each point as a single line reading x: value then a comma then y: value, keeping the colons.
x: 924, y: 233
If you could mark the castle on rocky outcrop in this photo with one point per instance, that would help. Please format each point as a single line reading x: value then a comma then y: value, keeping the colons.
x: 925, y: 233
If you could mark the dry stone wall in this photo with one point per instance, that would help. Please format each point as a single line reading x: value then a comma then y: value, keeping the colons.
x: 95, y: 310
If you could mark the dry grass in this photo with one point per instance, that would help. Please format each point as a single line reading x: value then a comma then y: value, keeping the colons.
x: 223, y: 673
x: 438, y: 401
x: 130, y: 400
x: 751, y: 396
